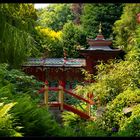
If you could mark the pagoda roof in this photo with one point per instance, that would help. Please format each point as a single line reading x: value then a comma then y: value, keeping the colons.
x: 99, y: 42
x: 104, y: 48
x: 99, y: 51
x: 56, y: 62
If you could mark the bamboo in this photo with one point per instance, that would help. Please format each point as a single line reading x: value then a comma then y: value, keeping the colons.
x: 46, y: 96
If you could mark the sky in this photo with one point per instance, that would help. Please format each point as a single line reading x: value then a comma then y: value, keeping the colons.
x: 40, y: 5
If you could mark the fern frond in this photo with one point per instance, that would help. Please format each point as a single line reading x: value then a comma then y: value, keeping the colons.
x: 4, y: 110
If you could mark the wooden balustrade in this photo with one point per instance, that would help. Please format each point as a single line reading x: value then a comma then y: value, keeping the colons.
x: 46, y: 96
x: 61, y: 91
x: 61, y: 97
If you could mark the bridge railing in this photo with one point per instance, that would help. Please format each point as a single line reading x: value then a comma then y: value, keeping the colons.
x: 61, y: 91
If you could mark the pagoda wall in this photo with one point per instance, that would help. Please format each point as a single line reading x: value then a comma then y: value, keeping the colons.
x: 92, y: 60
x: 55, y: 74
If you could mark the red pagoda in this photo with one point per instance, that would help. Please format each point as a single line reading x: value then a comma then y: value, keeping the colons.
x: 69, y: 69
x: 99, y: 49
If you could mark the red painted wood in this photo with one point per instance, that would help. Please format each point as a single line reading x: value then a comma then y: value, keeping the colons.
x: 76, y: 111
x: 77, y: 96
x: 43, y: 73
x: 54, y: 104
x: 66, y: 106
x: 70, y: 108
x: 53, y: 88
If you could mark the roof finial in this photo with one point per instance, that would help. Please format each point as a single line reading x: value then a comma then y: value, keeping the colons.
x: 100, y: 28
x: 65, y: 55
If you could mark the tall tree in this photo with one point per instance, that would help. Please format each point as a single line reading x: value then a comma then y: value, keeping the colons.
x: 126, y: 29
x: 77, y: 11
x: 16, y: 26
x: 73, y: 37
x: 55, y: 16
x: 50, y: 42
x: 106, y: 13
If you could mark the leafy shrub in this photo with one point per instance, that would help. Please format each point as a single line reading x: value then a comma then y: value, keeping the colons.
x: 92, y: 128
x: 21, y: 82
x: 6, y: 91
x: 70, y: 119
x: 112, y: 79
x: 74, y: 122
x: 73, y: 38
x: 7, y: 122
x: 115, y: 116
x: 82, y: 127
x: 50, y: 42
x: 116, y: 78
x: 131, y: 126
x: 116, y: 87
x: 35, y: 121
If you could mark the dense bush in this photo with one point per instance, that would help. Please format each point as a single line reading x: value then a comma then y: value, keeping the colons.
x: 131, y: 126
x: 114, y: 78
x: 73, y: 37
x: 116, y: 87
x: 35, y: 121
x: 125, y: 28
x: 17, y: 87
x: 21, y: 82
x: 50, y: 42
x: 7, y: 122
x: 54, y: 16
x: 115, y: 116
x: 16, y: 39
x: 94, y: 13
x: 74, y: 122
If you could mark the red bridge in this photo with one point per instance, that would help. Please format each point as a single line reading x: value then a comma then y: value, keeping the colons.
x: 61, y: 103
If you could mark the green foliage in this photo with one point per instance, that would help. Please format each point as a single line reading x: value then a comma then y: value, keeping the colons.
x: 70, y: 119
x: 17, y: 82
x: 73, y: 37
x: 17, y: 87
x: 114, y: 78
x: 117, y: 87
x: 23, y: 83
x: 115, y: 116
x: 6, y: 91
x: 82, y: 127
x: 134, y: 49
x: 67, y: 131
x: 55, y: 16
x: 131, y: 126
x: 125, y: 28
x: 106, y: 13
x: 16, y: 41
x: 50, y: 42
x: 17, y: 48
x: 35, y: 121
x: 7, y: 122
x: 21, y: 16
x: 87, y: 75
x: 92, y: 128
x: 74, y: 122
